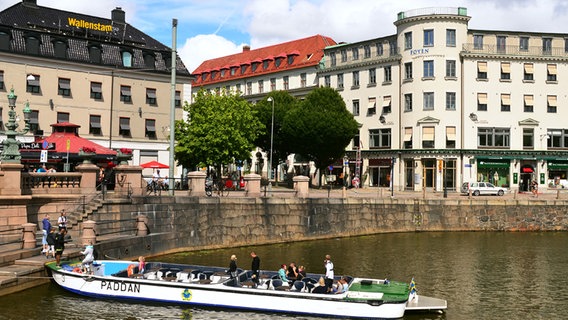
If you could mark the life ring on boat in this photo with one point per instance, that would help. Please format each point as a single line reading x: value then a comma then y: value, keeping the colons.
x: 130, y: 269
x: 77, y: 269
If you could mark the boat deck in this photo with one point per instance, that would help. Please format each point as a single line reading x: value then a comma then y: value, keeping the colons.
x: 427, y: 304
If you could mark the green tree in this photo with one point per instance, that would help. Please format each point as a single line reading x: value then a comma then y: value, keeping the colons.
x: 283, y: 102
x: 219, y: 129
x: 320, y: 128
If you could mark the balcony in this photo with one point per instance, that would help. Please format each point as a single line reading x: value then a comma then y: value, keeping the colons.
x: 513, y: 50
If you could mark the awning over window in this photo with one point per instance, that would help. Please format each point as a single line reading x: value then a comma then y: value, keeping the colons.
x: 551, y: 69
x: 96, y: 87
x: 428, y: 134
x: 407, y: 134
x: 124, y: 124
x: 506, y: 99
x: 151, y: 126
x: 125, y: 91
x: 505, y: 67
x: 529, y: 68
x: 482, y: 98
x: 552, y: 101
x: 95, y: 122
x: 529, y: 100
x: 451, y: 133
x: 64, y: 84
x: 482, y: 66
x: 386, y: 101
x: 151, y: 93
x: 371, y: 104
x: 34, y: 82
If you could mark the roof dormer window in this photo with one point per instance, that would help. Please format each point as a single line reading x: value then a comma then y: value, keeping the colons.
x: 127, y: 59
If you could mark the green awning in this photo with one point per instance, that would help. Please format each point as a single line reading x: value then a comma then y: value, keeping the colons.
x: 557, y: 165
x: 493, y: 164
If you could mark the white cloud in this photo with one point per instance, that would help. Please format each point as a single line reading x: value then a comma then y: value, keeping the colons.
x: 203, y: 47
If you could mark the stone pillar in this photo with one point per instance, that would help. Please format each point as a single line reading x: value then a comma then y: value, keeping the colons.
x: 302, y: 186
x: 10, y: 179
x: 252, y: 185
x: 196, y: 183
x: 129, y: 177
x: 89, y: 232
x: 29, y: 235
x: 142, y: 225
x: 88, y: 178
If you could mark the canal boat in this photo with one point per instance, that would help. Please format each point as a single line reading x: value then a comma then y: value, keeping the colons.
x: 214, y: 287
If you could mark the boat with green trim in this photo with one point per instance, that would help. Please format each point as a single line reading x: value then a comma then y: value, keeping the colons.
x: 213, y: 287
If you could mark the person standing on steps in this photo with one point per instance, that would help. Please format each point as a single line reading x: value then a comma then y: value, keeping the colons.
x: 62, y: 221
x: 46, y: 229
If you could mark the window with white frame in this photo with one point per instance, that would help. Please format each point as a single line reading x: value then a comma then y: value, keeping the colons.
x: 428, y: 69
x: 552, y: 104
x: 505, y: 102
x: 450, y: 101
x: 528, y: 138
x: 407, y: 40
x: 355, y: 79
x: 407, y: 139
x: 528, y: 72
x: 327, y: 81
x: 386, y: 105
x: 379, y: 138
x: 494, y: 137
x: 340, y: 81
x: 477, y: 41
x: 286, y: 81
x: 372, y: 76
x: 388, y: 74
x: 551, y: 73
x: 343, y: 55
x: 428, y: 100
x: 546, y: 45
x: 524, y: 43
x: 505, y: 71
x: 528, y: 103
x: 501, y: 44
x: 557, y: 138
x: 366, y: 51
x: 408, y: 70
x: 408, y: 102
x: 428, y: 137
x: 429, y: 38
x: 96, y: 90
x: 450, y: 37
x: 356, y: 107
x: 450, y: 137
x: 303, y: 80
x: 451, y: 68
x: 482, y: 102
x: 355, y: 53
x: 372, y: 106
x: 380, y: 49
x: 64, y: 87
x: 482, y: 70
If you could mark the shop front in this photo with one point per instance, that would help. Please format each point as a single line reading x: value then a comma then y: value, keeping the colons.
x: 495, y: 171
x: 557, y: 174
x: 380, y: 172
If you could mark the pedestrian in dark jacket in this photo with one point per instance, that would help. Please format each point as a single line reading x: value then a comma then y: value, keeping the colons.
x: 50, y: 243
x: 59, y: 245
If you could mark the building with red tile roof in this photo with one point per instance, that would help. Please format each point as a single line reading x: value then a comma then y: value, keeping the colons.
x: 289, y: 66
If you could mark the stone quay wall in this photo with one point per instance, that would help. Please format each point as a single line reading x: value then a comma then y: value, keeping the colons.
x: 195, y: 223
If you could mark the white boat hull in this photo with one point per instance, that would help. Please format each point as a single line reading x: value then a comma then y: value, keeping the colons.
x: 221, y: 295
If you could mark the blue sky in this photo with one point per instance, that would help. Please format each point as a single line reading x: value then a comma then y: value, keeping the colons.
x: 212, y: 28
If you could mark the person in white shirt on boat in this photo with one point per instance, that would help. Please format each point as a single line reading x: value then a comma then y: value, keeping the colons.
x: 89, y: 258
x: 329, y: 275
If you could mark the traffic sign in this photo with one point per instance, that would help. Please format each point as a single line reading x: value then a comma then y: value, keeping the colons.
x: 43, y: 156
x: 68, y: 144
x: 44, y: 145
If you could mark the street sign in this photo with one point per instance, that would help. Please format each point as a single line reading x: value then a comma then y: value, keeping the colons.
x: 43, y: 156
x: 45, y: 144
x: 68, y: 144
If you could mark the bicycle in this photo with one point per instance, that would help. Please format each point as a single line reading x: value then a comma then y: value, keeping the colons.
x: 218, y: 187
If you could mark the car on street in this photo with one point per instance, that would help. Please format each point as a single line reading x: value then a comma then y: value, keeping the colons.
x: 482, y: 188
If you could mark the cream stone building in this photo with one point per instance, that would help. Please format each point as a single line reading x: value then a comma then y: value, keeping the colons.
x: 102, y: 74
x: 440, y: 104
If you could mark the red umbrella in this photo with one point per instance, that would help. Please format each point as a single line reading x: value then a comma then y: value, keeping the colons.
x: 154, y: 165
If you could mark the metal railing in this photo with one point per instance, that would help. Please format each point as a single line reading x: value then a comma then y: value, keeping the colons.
x: 514, y: 50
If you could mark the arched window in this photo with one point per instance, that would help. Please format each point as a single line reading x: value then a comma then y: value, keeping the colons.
x: 95, y: 54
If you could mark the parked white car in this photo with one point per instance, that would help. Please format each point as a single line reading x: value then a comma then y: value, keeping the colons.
x: 482, y: 188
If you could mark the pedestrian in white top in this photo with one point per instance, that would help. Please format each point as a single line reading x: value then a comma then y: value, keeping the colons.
x: 62, y: 220
x: 329, y: 275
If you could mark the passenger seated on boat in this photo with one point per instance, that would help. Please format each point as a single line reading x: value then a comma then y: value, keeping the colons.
x: 292, y: 272
x: 282, y: 273
x: 301, y: 273
x: 341, y: 287
x: 141, y: 264
x: 321, y: 287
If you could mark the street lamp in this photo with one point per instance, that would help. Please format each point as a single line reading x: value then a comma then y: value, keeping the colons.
x: 11, y: 151
x: 270, y: 99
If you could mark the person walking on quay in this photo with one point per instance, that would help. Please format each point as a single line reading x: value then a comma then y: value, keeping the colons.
x: 59, y: 245
x: 329, y: 275
x: 233, y: 267
x: 255, y: 268
x: 46, y: 228
x: 62, y: 221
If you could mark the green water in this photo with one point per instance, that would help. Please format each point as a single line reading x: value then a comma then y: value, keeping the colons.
x: 482, y: 275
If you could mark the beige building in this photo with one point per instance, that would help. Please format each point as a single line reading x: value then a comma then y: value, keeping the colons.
x: 102, y: 74
x: 440, y: 104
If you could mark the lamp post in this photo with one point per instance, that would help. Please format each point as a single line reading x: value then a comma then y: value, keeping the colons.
x: 11, y: 151
x: 445, y: 181
x: 270, y: 99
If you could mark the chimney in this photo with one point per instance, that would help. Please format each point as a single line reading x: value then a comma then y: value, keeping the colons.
x: 30, y: 3
x: 246, y: 48
x: 118, y: 15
